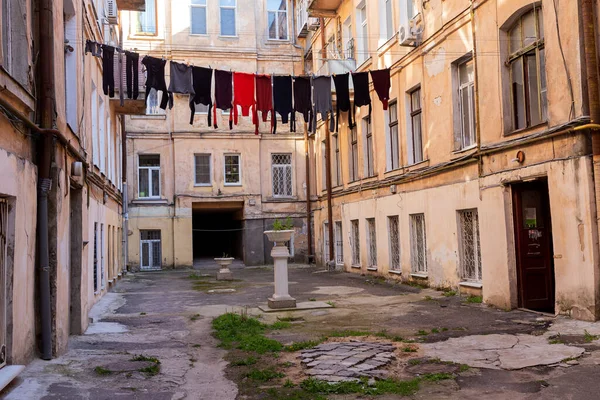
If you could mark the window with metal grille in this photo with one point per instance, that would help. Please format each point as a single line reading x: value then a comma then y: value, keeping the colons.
x: 355, y: 243
x: 339, y: 243
x: 394, y: 237
x: 353, y: 159
x: 527, y: 64
x: 149, y: 176
x: 394, y: 149
x: 369, y: 162
x: 150, y: 249
x: 278, y: 21
x: 371, y: 243
x: 203, y: 169
x: 198, y: 17
x: 416, y: 138
x: 418, y: 243
x: 233, y: 173
x: 95, y: 266
x: 336, y: 174
x: 326, y: 242
x: 281, y: 168
x: 469, y: 247
x: 102, y: 282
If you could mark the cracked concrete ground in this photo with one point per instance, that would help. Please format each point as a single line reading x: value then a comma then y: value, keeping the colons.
x: 166, y: 315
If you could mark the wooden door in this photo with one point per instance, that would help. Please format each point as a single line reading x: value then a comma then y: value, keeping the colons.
x: 533, y: 239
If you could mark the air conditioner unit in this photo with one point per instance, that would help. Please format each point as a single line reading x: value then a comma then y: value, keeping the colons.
x: 112, y: 14
x: 409, y: 33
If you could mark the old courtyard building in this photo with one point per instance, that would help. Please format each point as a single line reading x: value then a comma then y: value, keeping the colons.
x: 479, y: 176
x: 197, y: 191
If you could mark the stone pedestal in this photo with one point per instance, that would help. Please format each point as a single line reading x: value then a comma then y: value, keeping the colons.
x: 281, y: 298
x: 224, y: 273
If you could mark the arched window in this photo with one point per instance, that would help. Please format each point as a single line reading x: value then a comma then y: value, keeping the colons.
x: 527, y: 65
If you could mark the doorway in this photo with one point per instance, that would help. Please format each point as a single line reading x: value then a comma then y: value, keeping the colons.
x: 533, y: 245
x: 3, y: 275
x: 218, y: 231
x: 76, y: 251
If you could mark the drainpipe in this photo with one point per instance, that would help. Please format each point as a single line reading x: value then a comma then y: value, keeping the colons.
x: 124, y: 199
x: 308, y: 205
x: 476, y: 90
x: 588, y: 15
x: 44, y: 166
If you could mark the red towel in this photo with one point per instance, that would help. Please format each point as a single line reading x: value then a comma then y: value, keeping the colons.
x: 243, y: 95
x: 264, y: 99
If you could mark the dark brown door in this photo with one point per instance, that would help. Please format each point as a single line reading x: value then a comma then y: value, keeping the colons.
x: 533, y: 234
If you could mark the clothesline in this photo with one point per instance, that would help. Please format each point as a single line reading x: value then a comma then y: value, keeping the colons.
x: 252, y: 92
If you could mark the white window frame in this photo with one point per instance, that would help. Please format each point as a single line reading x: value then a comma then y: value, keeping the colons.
x: 95, y: 139
x: 102, y: 278
x: 469, y: 88
x: 288, y: 186
x: 414, y: 244
x: 339, y: 243
x: 239, y: 157
x: 369, y: 150
x: 150, y: 243
x: 392, y: 139
x: 150, y: 171
x: 277, y: 12
x: 234, y: 8
x: 337, y: 173
x: 134, y: 16
x: 210, y: 170
x: 102, y: 135
x: 476, y: 246
x: 323, y: 166
x: 371, y: 230
x: 411, y: 114
x: 71, y: 59
x: 355, y: 242
x: 326, y: 256
x: 363, y: 38
x: 353, y: 159
x: 394, y: 243
x: 205, y: 6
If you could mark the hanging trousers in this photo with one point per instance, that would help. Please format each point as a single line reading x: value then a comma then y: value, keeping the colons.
x: 108, y: 70
x: 132, y: 74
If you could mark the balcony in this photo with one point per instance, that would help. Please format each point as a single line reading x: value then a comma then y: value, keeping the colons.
x: 304, y: 23
x: 130, y: 106
x: 131, y: 5
x: 339, y: 63
x: 323, y: 8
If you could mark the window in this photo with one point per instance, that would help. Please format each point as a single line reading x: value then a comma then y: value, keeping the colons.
x: 469, y: 248
x: 144, y: 22
x: 339, y: 244
x: 353, y: 159
x: 102, y: 136
x: 71, y: 56
x: 323, y: 166
x: 363, y: 34
x: 232, y: 169
x: 466, y: 105
x: 149, y: 176
x: 201, y: 108
x: 150, y: 250
x: 153, y: 103
x: 281, y: 167
x: 355, y: 243
x: 337, y: 172
x: 4, y: 261
x: 418, y: 244
x: 371, y: 243
x: 198, y: 15
x: 411, y: 9
x: 369, y: 165
x: 394, y: 147
x: 394, y: 236
x: 389, y: 19
x: 416, y: 139
x: 349, y: 39
x: 102, y: 283
x: 326, y: 258
x: 527, y: 66
x: 277, y: 15
x: 95, y: 266
x: 14, y: 29
x: 95, y: 139
x: 203, y: 169
x: 227, y: 15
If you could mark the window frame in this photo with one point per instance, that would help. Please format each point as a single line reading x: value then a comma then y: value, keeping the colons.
x: 470, y: 88
x: 339, y: 243
x: 210, y: 170
x: 239, y: 158
x: 371, y: 231
x: 476, y: 245
x: 150, y: 185
x: 353, y: 159
x: 150, y: 243
x: 363, y: 50
x: 414, y: 244
x: 132, y: 17
x: 415, y: 113
x: 326, y: 255
x: 394, y: 244
x: 369, y: 153
x: 336, y: 158
x: 393, y: 124
x: 234, y: 8
x: 355, y: 242
x: 521, y: 54
x: 390, y: 29
x: 287, y: 22
x: 205, y: 6
x: 289, y: 184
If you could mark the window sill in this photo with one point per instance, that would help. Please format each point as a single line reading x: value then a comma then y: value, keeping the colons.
x: 282, y: 199
x: 228, y: 37
x: 416, y: 166
x: 395, y: 272
x: 149, y: 116
x: 465, y: 150
x: 149, y: 201
x: 372, y: 269
x: 356, y: 266
x: 199, y: 34
x: 277, y: 41
x: 203, y: 185
x: 232, y: 184
x: 393, y: 171
x: 527, y: 129
x: 475, y: 285
x: 419, y: 276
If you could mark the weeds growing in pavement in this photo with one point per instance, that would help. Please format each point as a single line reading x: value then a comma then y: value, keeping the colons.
x: 102, y: 371
x: 474, y: 299
x: 264, y: 375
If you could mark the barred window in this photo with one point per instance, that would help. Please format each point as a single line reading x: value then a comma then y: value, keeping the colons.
x: 418, y: 243
x: 355, y: 243
x: 150, y: 250
x: 281, y: 167
x: 339, y: 243
x: 232, y: 169
x: 203, y: 169
x: 326, y: 242
x: 469, y: 247
x: 394, y: 235
x: 372, y: 243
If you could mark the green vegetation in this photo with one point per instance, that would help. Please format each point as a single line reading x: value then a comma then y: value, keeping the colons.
x: 428, y: 298
x: 264, y: 375
x: 393, y: 338
x: 197, y: 345
x: 288, y: 384
x: 244, y: 333
x: 435, y: 330
x: 422, y: 333
x: 142, y: 313
x: 474, y: 299
x: 297, y: 346
x: 195, y: 317
x: 280, y: 325
x: 244, y: 361
x: 463, y: 368
x: 449, y: 293
x: 588, y: 337
x: 312, y: 299
x: 150, y: 370
x: 331, y: 303
x: 286, y: 225
x: 346, y: 333
x: 102, y: 371
x: 555, y: 339
x: 409, y: 349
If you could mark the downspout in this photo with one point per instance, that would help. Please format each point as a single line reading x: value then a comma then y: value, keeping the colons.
x: 124, y: 207
x: 588, y: 15
x: 44, y: 178
x: 476, y: 95
x: 308, y: 205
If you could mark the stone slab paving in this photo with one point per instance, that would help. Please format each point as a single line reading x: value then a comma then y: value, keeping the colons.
x: 347, y: 361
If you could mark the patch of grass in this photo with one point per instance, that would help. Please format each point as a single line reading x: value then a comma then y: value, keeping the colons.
x: 347, y: 333
x: 244, y: 361
x: 436, y: 377
x: 244, y: 333
x: 312, y: 299
x: 435, y: 330
x: 331, y: 303
x: 290, y: 318
x: 428, y: 298
x: 463, y: 368
x: 264, y: 375
x: 102, y: 371
x: 288, y: 384
x: 555, y: 339
x: 409, y: 349
x: 297, y: 346
x: 415, y: 284
x: 142, y: 313
x: 195, y: 317
x: 444, y: 329
x: 150, y: 370
x: 385, y: 386
x: 474, y: 299
x: 414, y: 361
x: 385, y: 335
x: 197, y: 345
x: 449, y: 293
x: 422, y: 332
x: 588, y: 337
x: 141, y: 357
x: 280, y: 325
x: 196, y: 277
